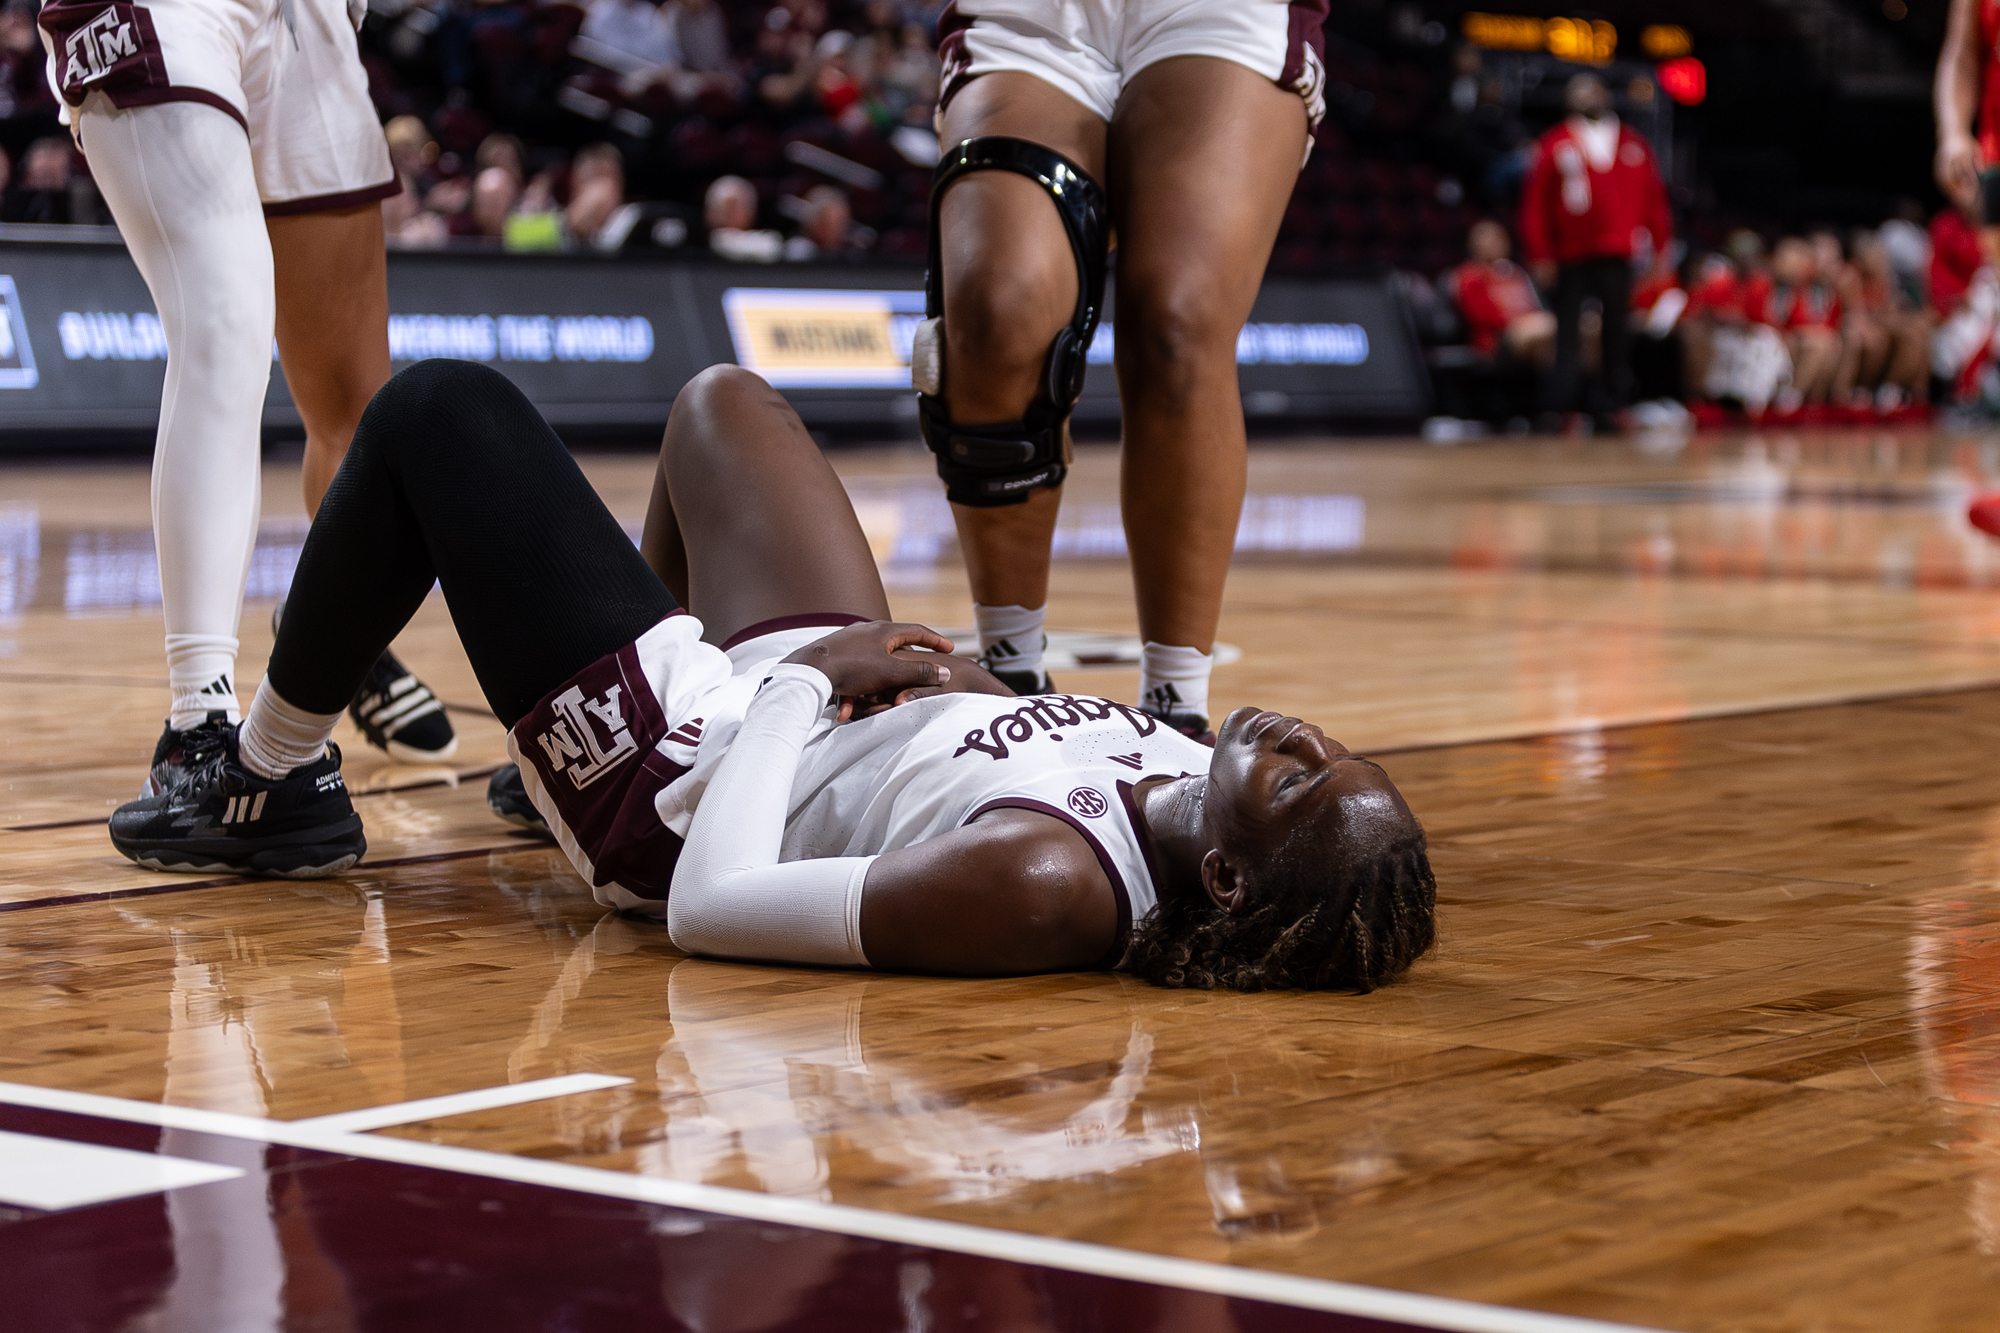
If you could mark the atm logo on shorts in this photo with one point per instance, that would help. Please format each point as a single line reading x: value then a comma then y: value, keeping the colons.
x: 589, y: 738
x: 104, y: 46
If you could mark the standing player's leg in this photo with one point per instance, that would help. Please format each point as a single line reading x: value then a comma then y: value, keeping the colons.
x: 454, y: 478
x: 179, y: 179
x: 323, y: 168
x: 1203, y: 155
x: 1009, y: 287
x: 331, y: 273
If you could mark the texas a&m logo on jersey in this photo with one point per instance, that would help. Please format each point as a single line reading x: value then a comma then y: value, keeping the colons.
x: 589, y: 737
x: 103, y: 46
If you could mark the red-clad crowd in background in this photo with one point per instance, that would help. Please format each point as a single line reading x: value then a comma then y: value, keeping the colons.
x: 1820, y: 327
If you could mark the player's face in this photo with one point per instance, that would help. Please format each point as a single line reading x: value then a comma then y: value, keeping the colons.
x: 1271, y: 771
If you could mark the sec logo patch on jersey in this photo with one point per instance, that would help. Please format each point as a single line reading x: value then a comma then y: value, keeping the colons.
x: 1088, y: 802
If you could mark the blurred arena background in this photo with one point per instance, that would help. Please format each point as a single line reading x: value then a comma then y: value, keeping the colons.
x: 635, y: 164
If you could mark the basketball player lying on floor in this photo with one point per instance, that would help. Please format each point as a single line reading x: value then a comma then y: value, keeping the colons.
x: 815, y: 784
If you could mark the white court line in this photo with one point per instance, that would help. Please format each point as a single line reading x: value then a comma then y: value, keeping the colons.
x: 459, y: 1103
x: 1436, y: 1312
x: 38, y: 1172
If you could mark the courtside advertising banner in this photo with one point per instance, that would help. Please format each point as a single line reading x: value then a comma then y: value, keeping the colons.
x: 608, y: 342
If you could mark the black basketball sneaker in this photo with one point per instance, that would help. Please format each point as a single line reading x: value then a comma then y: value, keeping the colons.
x: 223, y: 817
x: 398, y: 713
x: 181, y: 752
x: 507, y: 797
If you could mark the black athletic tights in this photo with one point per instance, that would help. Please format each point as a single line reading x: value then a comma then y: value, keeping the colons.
x: 454, y: 476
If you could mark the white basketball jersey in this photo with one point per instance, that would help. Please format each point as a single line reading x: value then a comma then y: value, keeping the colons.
x: 924, y: 769
x: 928, y: 767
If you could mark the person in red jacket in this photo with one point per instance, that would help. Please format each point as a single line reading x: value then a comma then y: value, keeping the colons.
x: 1593, y: 202
x: 1502, y: 316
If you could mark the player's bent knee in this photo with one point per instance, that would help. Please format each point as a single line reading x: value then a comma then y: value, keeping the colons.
x: 1000, y: 463
x: 1177, y: 341
x: 985, y: 308
x: 432, y: 403
x: 711, y: 395
x: 699, y: 434
x: 718, y: 386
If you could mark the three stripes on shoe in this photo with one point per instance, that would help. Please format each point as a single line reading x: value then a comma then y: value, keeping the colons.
x: 244, y: 809
x: 406, y: 700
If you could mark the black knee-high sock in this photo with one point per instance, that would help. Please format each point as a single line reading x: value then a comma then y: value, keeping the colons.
x: 454, y: 476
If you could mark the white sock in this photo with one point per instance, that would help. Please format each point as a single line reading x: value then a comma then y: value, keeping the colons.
x: 1011, y: 637
x: 277, y: 737
x: 201, y: 672
x: 1173, y: 679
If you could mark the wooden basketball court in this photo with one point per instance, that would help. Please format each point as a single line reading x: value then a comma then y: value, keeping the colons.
x: 1704, y: 737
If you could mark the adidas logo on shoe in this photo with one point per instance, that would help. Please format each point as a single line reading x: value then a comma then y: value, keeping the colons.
x: 242, y: 809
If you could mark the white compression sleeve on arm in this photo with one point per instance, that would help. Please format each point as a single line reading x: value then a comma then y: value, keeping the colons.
x: 732, y: 897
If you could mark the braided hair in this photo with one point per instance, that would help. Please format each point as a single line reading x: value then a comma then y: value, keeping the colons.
x: 1349, y: 920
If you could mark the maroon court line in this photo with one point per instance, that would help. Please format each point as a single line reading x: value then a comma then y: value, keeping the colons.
x: 469, y: 775
x: 152, y: 890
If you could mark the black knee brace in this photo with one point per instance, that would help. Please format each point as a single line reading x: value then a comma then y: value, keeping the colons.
x: 987, y: 466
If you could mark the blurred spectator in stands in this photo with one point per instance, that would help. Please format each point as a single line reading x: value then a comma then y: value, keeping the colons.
x: 451, y: 199
x: 784, y: 65
x: 1592, y: 201
x: 40, y: 190
x: 413, y: 153
x: 909, y: 76
x: 895, y: 62
x: 1887, y: 360
x: 495, y: 192
x: 1908, y: 246
x: 729, y: 205
x: 701, y: 35
x: 1965, y: 298
x: 729, y: 213
x: 1715, y: 302
x: 842, y: 95
x: 1955, y: 259
x: 1503, y: 318
x: 1658, y: 304
x: 635, y: 28
x: 505, y: 152
x: 24, y: 90
x: 1805, y: 309
x: 1730, y: 357
x: 826, y: 227
x: 1829, y: 256
x: 596, y: 191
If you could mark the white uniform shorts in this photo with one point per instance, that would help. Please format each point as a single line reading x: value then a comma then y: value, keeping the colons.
x: 1091, y: 49
x: 600, y: 753
x: 290, y: 73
